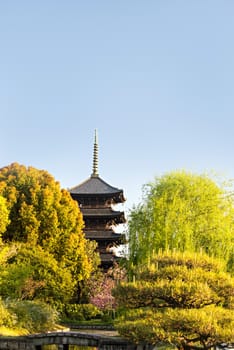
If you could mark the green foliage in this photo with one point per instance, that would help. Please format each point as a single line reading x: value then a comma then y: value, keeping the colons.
x: 33, y: 273
x: 54, y: 255
x: 6, y: 252
x: 43, y: 253
x: 4, y: 215
x: 34, y: 316
x: 179, y: 294
x: 193, y: 328
x: 7, y: 319
x: 40, y: 212
x: 82, y: 312
x: 27, y: 317
x: 185, y: 212
x: 183, y: 299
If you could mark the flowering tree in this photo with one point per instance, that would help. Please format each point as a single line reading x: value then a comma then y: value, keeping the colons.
x: 102, y: 288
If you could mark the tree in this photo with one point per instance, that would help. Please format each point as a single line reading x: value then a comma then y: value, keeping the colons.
x: 101, y: 287
x: 44, y: 215
x: 183, y: 299
x: 40, y: 211
x: 182, y: 211
x: 33, y: 274
x: 4, y: 215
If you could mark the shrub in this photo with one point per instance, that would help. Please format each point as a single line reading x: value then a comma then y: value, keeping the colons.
x: 7, y: 319
x: 34, y: 316
x: 82, y: 312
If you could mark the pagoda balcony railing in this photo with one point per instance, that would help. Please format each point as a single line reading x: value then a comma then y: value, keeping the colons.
x: 94, y: 205
x: 91, y: 227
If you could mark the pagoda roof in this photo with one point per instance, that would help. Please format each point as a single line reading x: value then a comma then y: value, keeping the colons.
x: 94, y: 185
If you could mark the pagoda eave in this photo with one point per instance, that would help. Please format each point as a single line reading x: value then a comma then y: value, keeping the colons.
x: 103, y: 236
x: 117, y: 216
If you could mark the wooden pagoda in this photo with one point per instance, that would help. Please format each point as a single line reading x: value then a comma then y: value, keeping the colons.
x: 96, y: 199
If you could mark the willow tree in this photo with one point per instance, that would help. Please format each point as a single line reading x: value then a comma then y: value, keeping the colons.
x: 184, y: 212
x: 42, y: 214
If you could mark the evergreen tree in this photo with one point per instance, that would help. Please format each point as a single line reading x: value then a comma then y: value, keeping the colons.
x: 181, y: 299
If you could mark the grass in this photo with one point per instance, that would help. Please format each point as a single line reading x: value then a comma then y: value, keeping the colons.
x: 4, y: 331
x: 90, y: 323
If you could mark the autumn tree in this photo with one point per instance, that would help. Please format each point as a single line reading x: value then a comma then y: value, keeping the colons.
x: 182, y: 299
x: 44, y: 215
x: 185, y: 212
x: 4, y: 214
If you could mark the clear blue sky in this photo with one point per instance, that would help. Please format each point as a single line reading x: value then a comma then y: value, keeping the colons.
x: 155, y: 77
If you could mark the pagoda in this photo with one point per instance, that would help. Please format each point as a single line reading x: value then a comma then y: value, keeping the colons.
x: 96, y: 199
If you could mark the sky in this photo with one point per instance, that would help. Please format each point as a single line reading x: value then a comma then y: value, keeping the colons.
x: 154, y: 77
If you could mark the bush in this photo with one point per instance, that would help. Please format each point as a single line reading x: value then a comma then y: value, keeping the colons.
x: 108, y: 316
x: 34, y: 316
x: 82, y: 312
x: 6, y: 318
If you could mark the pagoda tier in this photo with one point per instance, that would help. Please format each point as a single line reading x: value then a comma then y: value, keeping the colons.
x: 96, y: 192
x: 108, y: 260
x: 96, y: 199
x: 102, y: 217
x: 109, y: 236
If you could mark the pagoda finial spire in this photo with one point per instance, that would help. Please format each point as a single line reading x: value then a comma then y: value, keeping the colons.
x: 95, y: 156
